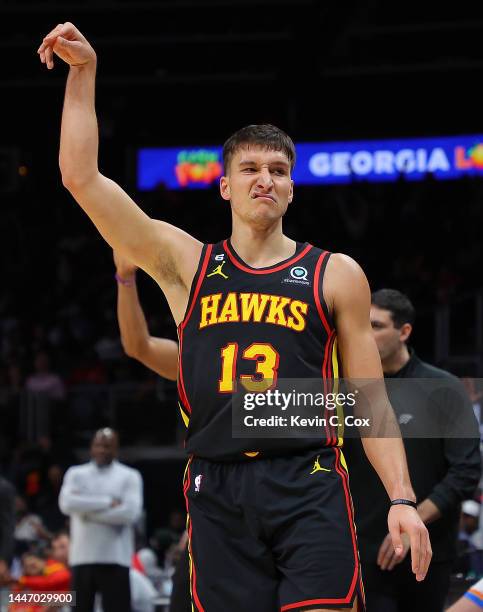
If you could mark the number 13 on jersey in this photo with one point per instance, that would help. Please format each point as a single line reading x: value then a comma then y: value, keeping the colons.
x: 265, y: 375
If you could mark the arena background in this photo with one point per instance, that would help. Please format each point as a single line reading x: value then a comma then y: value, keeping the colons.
x: 187, y: 73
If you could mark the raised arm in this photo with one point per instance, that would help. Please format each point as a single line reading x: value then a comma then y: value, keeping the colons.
x: 347, y: 293
x: 158, y: 354
x: 165, y: 252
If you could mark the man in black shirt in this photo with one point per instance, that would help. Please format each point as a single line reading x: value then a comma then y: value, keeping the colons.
x: 444, y: 470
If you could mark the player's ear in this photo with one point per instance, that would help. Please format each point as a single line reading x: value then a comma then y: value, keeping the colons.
x: 225, y: 188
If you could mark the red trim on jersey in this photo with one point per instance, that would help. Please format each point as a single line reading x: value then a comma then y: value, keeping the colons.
x: 182, y: 325
x: 245, y: 268
x: 181, y: 389
x: 318, y: 303
x: 327, y: 370
x: 190, y: 530
x: 312, y: 602
x: 350, y: 516
x: 209, y: 248
x: 329, y: 376
x: 326, y: 361
x: 186, y: 482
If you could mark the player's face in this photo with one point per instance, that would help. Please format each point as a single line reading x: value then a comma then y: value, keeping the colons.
x: 258, y: 184
x: 388, y: 337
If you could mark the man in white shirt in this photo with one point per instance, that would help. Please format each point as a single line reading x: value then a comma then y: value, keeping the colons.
x: 104, y: 499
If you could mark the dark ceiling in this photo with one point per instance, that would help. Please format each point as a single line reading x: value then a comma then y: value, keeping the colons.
x: 187, y: 72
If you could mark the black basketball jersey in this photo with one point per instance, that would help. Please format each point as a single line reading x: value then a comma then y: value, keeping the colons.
x: 244, y: 324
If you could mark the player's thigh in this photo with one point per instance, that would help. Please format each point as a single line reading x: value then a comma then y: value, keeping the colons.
x: 312, y: 532
x: 231, y: 568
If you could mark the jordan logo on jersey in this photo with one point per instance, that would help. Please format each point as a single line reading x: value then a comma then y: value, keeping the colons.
x: 217, y: 270
x: 318, y: 468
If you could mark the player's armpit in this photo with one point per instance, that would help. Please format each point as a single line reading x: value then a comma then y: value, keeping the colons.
x: 179, y: 261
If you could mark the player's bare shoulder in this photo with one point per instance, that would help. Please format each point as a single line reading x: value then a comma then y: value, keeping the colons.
x: 344, y: 283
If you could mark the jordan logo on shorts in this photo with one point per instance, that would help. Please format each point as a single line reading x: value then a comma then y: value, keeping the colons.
x: 198, y: 483
x: 318, y: 468
x: 217, y: 270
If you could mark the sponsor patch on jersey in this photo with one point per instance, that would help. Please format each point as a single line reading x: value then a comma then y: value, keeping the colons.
x: 298, y: 276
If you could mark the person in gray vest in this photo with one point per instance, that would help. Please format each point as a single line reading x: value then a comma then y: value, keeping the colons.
x: 104, y: 499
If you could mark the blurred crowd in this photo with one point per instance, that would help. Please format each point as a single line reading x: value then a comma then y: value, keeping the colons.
x: 35, y: 538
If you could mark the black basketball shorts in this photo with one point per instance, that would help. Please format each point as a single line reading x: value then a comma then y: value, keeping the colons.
x: 272, y: 534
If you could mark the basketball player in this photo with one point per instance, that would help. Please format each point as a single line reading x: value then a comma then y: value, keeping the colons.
x: 265, y: 533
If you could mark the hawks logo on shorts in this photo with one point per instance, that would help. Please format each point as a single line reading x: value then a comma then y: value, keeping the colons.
x: 245, y: 324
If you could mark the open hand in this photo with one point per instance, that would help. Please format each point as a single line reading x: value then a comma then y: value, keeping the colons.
x: 69, y: 44
x: 405, y: 519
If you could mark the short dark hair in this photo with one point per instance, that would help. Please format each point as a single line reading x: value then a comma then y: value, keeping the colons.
x: 267, y: 136
x: 399, y: 305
